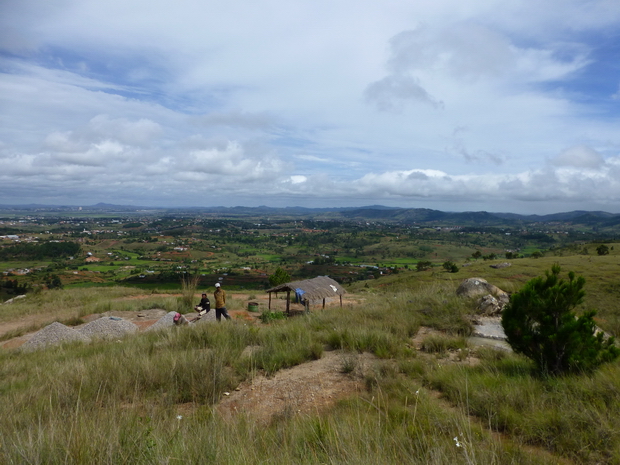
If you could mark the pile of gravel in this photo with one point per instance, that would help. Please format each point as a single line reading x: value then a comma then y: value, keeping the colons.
x: 52, y: 335
x: 208, y: 318
x: 168, y: 320
x: 107, y: 328
x: 164, y: 322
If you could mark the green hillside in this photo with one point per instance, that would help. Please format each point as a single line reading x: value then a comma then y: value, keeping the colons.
x: 426, y: 395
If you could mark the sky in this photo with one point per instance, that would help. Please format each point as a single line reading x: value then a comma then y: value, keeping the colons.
x: 494, y: 105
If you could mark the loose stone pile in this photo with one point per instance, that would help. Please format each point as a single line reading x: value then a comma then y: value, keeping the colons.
x: 207, y: 318
x: 168, y: 320
x: 164, y: 322
x: 53, y: 334
x: 107, y: 328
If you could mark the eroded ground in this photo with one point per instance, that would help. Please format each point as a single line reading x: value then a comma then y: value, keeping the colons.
x: 311, y: 387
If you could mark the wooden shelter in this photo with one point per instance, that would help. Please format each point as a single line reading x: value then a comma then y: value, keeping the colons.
x: 309, y: 291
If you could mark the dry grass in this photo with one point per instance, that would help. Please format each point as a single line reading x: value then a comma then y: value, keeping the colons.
x: 149, y: 399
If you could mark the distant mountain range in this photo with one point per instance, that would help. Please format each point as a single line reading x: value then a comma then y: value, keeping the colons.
x: 368, y: 213
x: 423, y: 215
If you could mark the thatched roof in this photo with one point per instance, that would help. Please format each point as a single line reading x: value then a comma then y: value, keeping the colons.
x: 317, y: 288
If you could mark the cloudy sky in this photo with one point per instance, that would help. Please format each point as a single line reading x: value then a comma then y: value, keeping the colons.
x: 497, y: 105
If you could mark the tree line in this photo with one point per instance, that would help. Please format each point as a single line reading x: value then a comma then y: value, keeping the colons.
x: 43, y: 251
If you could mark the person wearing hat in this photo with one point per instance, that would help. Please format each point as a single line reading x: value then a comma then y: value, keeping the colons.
x: 220, y: 303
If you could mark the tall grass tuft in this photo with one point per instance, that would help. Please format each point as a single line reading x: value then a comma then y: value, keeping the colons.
x: 571, y: 416
x: 189, y: 284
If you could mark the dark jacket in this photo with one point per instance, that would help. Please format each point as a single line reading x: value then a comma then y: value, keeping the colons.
x: 205, y: 303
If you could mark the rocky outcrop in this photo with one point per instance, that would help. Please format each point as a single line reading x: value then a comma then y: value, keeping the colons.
x: 489, y: 305
x: 501, y: 265
x: 492, y: 299
x: 10, y: 301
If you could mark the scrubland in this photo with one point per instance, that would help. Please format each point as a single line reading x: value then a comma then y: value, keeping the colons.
x: 151, y: 397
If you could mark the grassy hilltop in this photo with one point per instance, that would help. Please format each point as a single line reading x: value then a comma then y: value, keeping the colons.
x: 434, y: 398
x: 418, y: 390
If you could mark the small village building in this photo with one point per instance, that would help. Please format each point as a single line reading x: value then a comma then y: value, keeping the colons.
x: 309, y: 291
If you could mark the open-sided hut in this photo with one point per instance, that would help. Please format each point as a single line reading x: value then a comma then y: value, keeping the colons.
x: 309, y: 291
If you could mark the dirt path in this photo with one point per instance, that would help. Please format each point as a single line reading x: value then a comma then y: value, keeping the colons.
x: 311, y: 387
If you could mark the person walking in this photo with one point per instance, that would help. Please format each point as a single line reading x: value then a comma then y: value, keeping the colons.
x: 220, y: 303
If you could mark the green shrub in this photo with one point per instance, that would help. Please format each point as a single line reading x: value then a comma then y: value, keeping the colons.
x: 540, y: 323
x: 424, y: 265
x: 268, y: 316
x: 602, y: 249
x: 450, y: 267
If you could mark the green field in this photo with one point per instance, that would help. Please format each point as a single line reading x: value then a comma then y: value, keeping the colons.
x: 426, y: 394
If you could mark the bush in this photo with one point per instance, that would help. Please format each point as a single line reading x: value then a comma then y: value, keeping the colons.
x: 269, y: 316
x: 280, y: 276
x: 540, y: 323
x: 602, y: 249
x: 424, y: 265
x: 53, y: 282
x: 450, y: 267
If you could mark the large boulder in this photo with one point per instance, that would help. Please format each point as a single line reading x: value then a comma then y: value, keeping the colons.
x: 501, y: 265
x: 473, y: 287
x: 493, y: 299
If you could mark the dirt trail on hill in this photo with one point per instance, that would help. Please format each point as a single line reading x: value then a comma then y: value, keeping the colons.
x: 311, y: 387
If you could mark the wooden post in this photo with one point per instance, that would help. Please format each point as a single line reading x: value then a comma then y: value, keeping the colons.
x: 323, y: 303
x: 340, y: 300
x: 270, y: 301
x: 288, y: 301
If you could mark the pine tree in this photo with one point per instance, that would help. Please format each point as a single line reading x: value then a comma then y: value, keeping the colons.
x: 280, y: 276
x: 540, y: 323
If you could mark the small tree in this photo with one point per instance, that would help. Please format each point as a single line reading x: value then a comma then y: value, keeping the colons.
x: 602, y: 249
x: 540, y: 323
x: 423, y: 265
x: 53, y: 282
x: 450, y: 267
x: 280, y: 276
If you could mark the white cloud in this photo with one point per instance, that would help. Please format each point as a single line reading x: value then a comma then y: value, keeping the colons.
x: 97, y: 155
x: 579, y: 157
x: 140, y: 132
x: 392, y: 93
x: 279, y: 104
x: 232, y: 161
